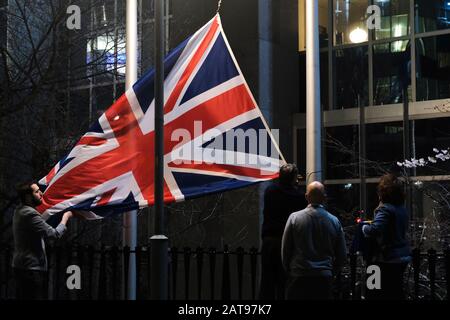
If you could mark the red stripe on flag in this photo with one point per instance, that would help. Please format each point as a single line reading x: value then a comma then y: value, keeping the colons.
x: 50, y: 175
x: 105, y: 197
x: 91, y: 141
x: 135, y: 154
x: 227, y: 168
x: 211, y: 113
x: 170, y: 104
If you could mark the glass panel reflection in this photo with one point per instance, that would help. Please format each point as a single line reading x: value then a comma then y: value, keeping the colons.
x: 350, y: 21
x: 323, y: 23
x: 342, y: 152
x: 427, y: 135
x: 432, y: 15
x: 391, y: 69
x: 433, y: 67
x: 394, y: 18
x: 384, y: 147
x: 351, y: 77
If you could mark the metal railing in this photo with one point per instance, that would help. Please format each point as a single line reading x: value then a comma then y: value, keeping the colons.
x: 209, y: 274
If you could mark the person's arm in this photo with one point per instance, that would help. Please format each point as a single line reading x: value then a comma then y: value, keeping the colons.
x: 39, y: 226
x: 286, y: 245
x: 340, y: 250
x: 378, y: 225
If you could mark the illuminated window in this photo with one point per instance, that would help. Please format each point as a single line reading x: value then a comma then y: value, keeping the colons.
x: 394, y: 19
x: 350, y: 21
x: 107, y: 53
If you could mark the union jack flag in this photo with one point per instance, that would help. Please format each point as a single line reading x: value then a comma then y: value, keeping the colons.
x: 205, y: 98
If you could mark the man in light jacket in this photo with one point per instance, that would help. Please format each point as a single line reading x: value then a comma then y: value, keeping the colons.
x: 313, y: 248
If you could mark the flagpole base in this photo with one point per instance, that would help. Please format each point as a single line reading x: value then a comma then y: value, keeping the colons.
x: 159, y: 246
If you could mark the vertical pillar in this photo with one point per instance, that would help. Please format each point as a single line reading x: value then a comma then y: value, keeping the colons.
x: 159, y: 242
x: 130, y: 218
x: 313, y: 109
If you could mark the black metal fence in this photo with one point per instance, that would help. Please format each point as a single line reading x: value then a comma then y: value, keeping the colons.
x: 206, y: 274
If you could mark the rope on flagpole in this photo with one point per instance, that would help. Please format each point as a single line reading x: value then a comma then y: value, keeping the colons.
x: 218, y: 6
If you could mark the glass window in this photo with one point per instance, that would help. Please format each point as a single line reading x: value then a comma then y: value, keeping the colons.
x: 79, y: 109
x: 430, y: 214
x: 324, y: 80
x: 102, y: 99
x: 350, y: 21
x: 148, y: 46
x: 3, y: 26
x: 394, y: 18
x: 351, y: 77
x: 384, y: 147
x: 430, y: 134
x: 103, y: 12
x: 106, y: 54
x: 372, y: 200
x: 120, y: 90
x: 433, y: 67
x: 301, y: 150
x: 323, y: 23
x: 343, y: 201
x: 302, y: 84
x: 391, y: 68
x: 342, y: 152
x: 3, y: 36
x: 148, y: 10
x: 432, y: 15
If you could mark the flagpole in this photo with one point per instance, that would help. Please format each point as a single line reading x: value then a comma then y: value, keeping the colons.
x: 313, y: 110
x: 159, y: 242
x: 130, y: 218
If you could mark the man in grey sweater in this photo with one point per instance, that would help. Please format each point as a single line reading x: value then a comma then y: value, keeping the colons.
x: 30, y: 229
x: 313, y: 248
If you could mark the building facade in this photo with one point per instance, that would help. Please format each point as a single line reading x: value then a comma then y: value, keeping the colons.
x: 366, y: 74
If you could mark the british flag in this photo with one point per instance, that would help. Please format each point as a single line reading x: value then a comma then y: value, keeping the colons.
x: 205, y: 98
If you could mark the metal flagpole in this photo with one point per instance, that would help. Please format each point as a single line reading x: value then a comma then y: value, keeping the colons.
x: 313, y: 110
x: 159, y: 242
x: 130, y: 218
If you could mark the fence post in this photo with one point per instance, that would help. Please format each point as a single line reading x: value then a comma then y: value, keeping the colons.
x: 212, y: 270
x: 416, y: 266
x: 240, y: 263
x: 187, y: 269
x: 80, y: 263
x: 447, y: 271
x: 199, y: 254
x: 174, y: 258
x: 126, y: 260
x: 149, y: 279
x: 7, y: 269
x: 91, y: 255
x: 253, y: 260
x: 353, y: 259
x: 69, y: 250
x: 138, y: 251
x: 57, y: 270
x: 432, y: 270
x: 102, y: 276
x: 226, y: 274
x: 114, y: 261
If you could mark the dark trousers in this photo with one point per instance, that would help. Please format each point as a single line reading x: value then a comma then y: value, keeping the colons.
x: 30, y: 284
x: 310, y: 288
x: 391, y: 282
x: 272, y: 272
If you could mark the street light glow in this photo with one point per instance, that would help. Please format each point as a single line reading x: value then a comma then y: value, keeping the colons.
x: 358, y: 35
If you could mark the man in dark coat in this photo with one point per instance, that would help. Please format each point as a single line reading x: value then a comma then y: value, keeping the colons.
x: 280, y: 200
x: 30, y: 230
